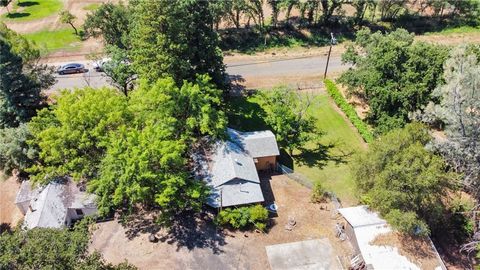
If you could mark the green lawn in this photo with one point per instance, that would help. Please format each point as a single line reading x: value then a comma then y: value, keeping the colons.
x: 456, y: 30
x: 26, y: 10
x: 50, y: 41
x: 91, y: 7
x: 327, y: 163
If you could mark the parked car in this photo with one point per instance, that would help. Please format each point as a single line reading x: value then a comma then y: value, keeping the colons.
x: 71, y: 68
x: 99, y: 64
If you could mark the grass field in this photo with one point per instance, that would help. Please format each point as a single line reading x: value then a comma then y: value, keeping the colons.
x: 27, y: 10
x: 91, y: 7
x: 50, y: 41
x: 456, y: 30
x: 327, y: 162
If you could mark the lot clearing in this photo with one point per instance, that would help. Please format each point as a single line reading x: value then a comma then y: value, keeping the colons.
x: 9, y: 213
x: 205, y: 248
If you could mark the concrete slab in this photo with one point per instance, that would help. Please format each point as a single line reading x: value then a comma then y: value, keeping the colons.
x: 305, y: 255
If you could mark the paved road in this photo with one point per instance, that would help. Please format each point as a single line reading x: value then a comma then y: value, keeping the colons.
x: 252, y: 74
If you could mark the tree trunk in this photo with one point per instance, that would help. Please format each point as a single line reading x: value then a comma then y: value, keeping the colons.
x: 74, y: 28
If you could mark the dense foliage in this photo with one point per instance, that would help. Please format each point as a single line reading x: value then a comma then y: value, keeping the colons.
x: 51, y: 249
x: 244, y: 217
x: 286, y: 114
x: 131, y: 151
x: 403, y: 181
x: 458, y: 110
x: 20, y: 94
x: 175, y: 38
x: 349, y: 111
x: 393, y: 74
x: 15, y: 154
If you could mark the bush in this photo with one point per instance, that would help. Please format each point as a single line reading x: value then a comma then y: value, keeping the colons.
x: 349, y: 111
x: 319, y: 193
x: 244, y: 217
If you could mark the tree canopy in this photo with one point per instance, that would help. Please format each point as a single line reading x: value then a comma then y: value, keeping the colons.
x: 131, y: 151
x: 14, y: 150
x: 403, y: 181
x: 394, y: 74
x: 458, y: 110
x: 175, y: 39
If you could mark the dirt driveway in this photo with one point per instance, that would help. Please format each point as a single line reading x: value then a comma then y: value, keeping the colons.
x: 9, y: 212
x: 227, y: 250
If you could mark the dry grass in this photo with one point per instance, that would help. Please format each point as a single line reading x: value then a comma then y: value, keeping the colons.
x: 417, y: 249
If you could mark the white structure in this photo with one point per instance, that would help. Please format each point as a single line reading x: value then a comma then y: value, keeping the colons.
x: 55, y: 205
x: 363, y: 227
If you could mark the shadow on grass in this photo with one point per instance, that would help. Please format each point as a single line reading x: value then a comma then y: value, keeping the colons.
x: 17, y: 15
x: 245, y: 115
x: 188, y: 230
x: 28, y: 4
x: 320, y: 155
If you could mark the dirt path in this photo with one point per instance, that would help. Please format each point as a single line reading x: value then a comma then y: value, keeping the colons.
x: 234, y: 250
x: 9, y: 212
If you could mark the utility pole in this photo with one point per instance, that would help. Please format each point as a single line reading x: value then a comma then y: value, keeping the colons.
x: 333, y: 41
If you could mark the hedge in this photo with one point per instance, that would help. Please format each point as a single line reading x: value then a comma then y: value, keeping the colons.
x: 349, y: 111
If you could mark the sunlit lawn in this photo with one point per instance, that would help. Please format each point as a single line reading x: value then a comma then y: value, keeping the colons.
x: 328, y: 163
x: 456, y: 30
x: 49, y: 41
x: 26, y: 10
x: 91, y: 7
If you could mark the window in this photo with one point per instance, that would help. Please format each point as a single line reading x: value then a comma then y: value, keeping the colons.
x: 79, y: 212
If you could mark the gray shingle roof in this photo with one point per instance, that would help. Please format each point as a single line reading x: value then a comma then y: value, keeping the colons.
x: 256, y: 144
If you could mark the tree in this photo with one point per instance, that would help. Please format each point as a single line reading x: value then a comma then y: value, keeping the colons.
x: 458, y: 109
x: 236, y: 10
x: 393, y: 74
x: 30, y: 54
x: 286, y: 114
x: 329, y: 7
x: 20, y: 95
x: 69, y: 18
x: 5, y: 3
x: 403, y: 181
x: 110, y: 21
x: 73, y: 135
x: 119, y: 69
x: 42, y: 248
x: 15, y: 154
x: 175, y: 39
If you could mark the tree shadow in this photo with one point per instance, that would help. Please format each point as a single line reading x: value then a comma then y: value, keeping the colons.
x: 28, y: 4
x: 320, y: 155
x: 245, y: 115
x: 16, y: 15
x: 188, y: 230
x: 5, y: 227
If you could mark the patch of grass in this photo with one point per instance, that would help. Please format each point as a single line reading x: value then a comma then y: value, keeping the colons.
x: 33, y: 10
x: 325, y: 161
x: 456, y: 30
x: 91, y: 7
x: 50, y: 41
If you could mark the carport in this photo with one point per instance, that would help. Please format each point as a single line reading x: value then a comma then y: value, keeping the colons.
x: 310, y: 254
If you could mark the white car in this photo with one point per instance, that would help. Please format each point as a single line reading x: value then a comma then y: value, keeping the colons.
x: 98, y: 64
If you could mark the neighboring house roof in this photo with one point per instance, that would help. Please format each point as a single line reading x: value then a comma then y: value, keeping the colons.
x: 49, y: 204
x: 257, y: 143
x: 24, y: 194
x: 367, y: 226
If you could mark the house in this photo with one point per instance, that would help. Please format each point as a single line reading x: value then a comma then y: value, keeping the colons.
x: 54, y: 205
x: 381, y: 248
x: 231, y: 169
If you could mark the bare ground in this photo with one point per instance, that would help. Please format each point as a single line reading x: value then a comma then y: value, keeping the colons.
x: 9, y: 213
x: 208, y: 248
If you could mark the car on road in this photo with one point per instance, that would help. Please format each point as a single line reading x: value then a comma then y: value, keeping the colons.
x: 99, y: 64
x: 71, y: 68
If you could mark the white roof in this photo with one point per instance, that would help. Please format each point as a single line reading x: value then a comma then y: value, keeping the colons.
x: 361, y: 216
x: 257, y: 143
x: 368, y: 226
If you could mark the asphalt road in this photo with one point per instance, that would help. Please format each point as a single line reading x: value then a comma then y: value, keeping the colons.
x: 251, y: 74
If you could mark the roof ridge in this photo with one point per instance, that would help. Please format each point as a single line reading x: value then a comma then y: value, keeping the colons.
x: 48, y: 187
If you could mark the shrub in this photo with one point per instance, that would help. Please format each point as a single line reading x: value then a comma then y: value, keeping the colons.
x: 349, y: 111
x: 319, y: 193
x: 243, y: 217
